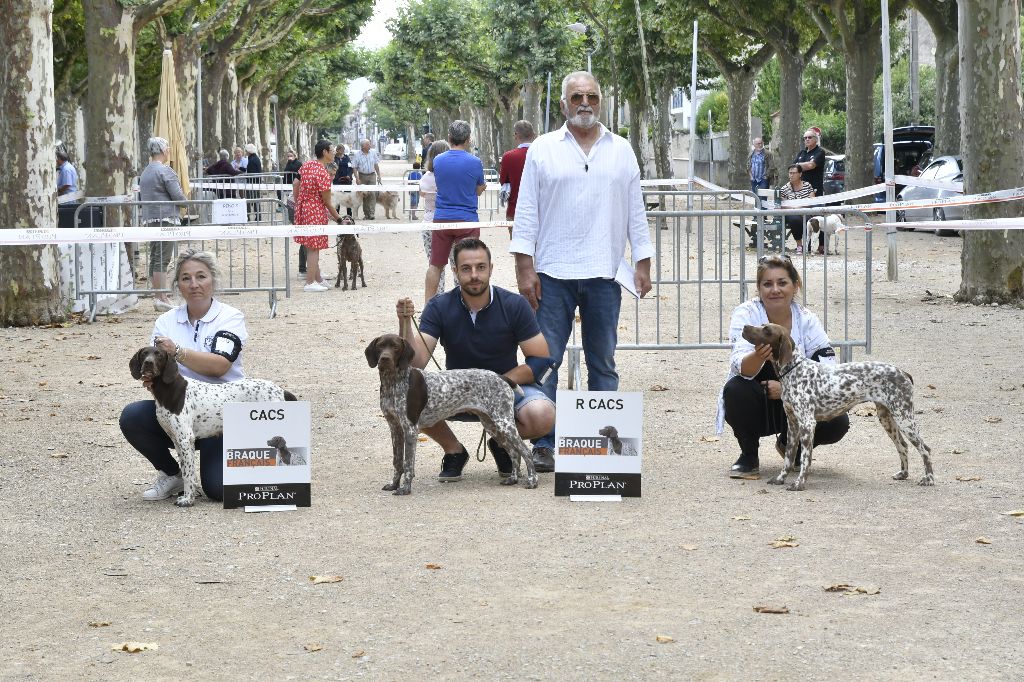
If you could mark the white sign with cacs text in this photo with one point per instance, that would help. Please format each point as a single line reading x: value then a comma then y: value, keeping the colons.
x: 598, y: 443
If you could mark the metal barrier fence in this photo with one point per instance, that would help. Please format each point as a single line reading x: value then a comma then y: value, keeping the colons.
x: 124, y: 269
x: 707, y: 245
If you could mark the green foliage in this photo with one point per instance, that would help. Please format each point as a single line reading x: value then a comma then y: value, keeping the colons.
x: 832, y: 124
x: 825, y: 81
x: 901, y: 107
x: 718, y: 104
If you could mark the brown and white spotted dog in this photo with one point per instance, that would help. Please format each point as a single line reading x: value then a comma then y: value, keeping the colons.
x: 411, y: 399
x: 286, y: 457
x: 187, y: 410
x: 619, y: 447
x: 814, y: 392
x: 349, y: 253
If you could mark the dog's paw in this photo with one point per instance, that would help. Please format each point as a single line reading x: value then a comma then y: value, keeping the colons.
x: 796, y: 485
x: 509, y: 480
x: 184, y: 501
x: 927, y: 479
x: 404, y: 490
x: 778, y: 480
x: 901, y: 475
x: 390, y: 486
x: 530, y: 482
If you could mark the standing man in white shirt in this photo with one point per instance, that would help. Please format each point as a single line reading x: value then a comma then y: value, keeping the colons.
x: 366, y: 161
x: 579, y: 202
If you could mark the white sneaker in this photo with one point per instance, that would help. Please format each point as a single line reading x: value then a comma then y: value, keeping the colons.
x: 161, y: 305
x: 314, y: 286
x: 164, y: 487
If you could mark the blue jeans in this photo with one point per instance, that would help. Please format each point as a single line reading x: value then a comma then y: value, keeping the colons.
x: 599, y: 301
x: 754, y: 186
x: 144, y: 433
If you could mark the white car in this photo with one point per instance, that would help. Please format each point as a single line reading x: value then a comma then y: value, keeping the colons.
x: 394, y: 150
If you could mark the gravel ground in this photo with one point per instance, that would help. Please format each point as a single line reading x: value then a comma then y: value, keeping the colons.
x: 529, y: 586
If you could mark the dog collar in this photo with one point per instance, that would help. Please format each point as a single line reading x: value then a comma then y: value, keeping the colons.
x: 790, y: 367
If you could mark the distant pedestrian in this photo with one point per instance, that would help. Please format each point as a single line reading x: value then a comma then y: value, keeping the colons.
x: 67, y: 176
x: 367, y: 165
x: 223, y: 168
x: 414, y: 197
x: 460, y: 181
x: 759, y: 165
x: 158, y: 182
x: 313, y: 206
x: 512, y: 163
x: 428, y: 189
x: 253, y: 166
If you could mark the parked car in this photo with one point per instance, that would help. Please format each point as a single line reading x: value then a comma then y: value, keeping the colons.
x: 394, y: 150
x: 943, y: 169
x: 911, y: 146
x: 835, y: 173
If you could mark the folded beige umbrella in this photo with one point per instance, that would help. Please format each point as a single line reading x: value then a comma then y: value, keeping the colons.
x: 168, y: 122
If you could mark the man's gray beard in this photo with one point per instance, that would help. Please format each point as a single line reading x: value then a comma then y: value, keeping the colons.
x: 577, y: 122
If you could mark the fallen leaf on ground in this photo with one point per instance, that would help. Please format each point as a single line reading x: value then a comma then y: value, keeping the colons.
x: 771, y: 609
x: 993, y: 420
x: 42, y: 383
x: 849, y: 589
x: 958, y: 451
x: 312, y: 647
x: 433, y: 567
x: 689, y: 548
x: 317, y: 579
x: 708, y: 439
x: 741, y: 518
x: 931, y: 386
x: 359, y: 654
x: 134, y: 647
x: 664, y: 639
x: 658, y: 388
x: 99, y: 624
x: 422, y: 439
x: 968, y: 478
x: 59, y: 455
x: 785, y: 538
x: 1015, y: 512
x: 779, y: 544
x: 983, y: 541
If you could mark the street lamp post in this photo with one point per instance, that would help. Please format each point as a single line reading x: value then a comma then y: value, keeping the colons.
x: 277, y: 133
x: 583, y: 29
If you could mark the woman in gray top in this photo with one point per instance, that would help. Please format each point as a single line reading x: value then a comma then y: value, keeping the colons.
x: 159, y: 183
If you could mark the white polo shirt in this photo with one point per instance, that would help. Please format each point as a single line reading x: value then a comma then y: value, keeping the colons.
x: 174, y: 325
x: 576, y: 211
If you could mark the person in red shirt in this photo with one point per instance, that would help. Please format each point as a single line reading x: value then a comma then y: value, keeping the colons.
x: 512, y: 163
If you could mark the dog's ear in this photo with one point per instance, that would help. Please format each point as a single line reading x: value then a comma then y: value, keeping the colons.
x: 373, y: 353
x: 170, y: 366
x: 416, y: 398
x: 135, y: 364
x: 407, y: 354
x: 782, y: 346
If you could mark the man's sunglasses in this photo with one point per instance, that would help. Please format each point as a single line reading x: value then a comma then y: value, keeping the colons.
x: 577, y: 98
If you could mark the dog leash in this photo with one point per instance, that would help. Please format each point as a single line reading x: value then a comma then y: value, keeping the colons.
x: 481, y: 453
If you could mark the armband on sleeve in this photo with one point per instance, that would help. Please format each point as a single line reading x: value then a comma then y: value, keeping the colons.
x: 226, y: 345
x: 540, y: 366
x: 826, y: 352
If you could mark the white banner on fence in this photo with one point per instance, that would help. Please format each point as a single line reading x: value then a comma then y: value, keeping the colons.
x: 412, y: 186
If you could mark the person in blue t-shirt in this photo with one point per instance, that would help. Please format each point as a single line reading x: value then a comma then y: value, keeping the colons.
x: 482, y: 327
x: 460, y: 180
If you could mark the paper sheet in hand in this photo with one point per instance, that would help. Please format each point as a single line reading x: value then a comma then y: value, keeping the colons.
x: 624, y: 276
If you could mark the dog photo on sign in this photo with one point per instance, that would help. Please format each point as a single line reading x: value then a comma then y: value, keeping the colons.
x: 622, y: 447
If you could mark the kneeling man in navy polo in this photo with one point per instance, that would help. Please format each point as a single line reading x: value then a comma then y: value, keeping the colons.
x: 481, y: 327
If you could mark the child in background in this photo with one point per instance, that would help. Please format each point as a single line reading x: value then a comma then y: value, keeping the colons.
x: 414, y: 197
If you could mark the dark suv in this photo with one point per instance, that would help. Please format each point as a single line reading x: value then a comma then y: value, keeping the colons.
x: 912, y: 149
x: 835, y: 173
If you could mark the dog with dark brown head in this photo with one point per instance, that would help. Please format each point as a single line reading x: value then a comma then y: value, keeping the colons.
x: 412, y: 399
x: 813, y: 392
x: 349, y: 252
x: 187, y: 410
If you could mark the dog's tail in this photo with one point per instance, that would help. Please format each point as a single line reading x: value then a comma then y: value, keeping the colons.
x: 289, y: 396
x: 515, y: 387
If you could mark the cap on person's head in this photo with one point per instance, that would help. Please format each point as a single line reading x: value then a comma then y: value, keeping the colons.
x: 250, y: 148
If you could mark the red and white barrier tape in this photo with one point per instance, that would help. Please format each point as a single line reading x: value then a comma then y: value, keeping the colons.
x: 99, y: 235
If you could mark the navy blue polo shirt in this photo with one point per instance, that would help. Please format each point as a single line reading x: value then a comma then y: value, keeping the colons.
x: 492, y: 341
